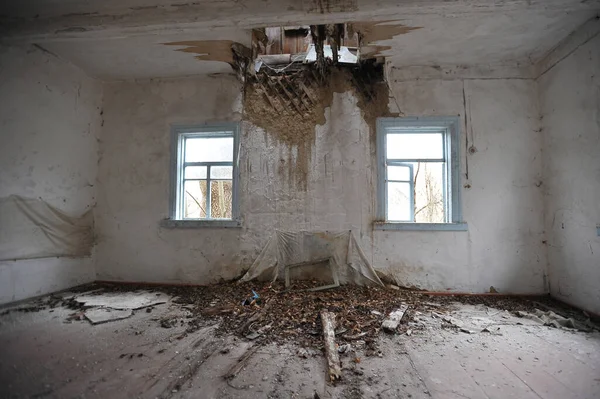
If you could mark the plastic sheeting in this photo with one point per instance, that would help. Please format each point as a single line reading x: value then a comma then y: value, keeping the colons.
x: 31, y: 228
x: 288, y: 248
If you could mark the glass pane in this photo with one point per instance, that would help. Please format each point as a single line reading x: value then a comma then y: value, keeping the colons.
x: 398, y: 173
x: 221, y: 172
x: 221, y: 193
x: 195, y: 172
x: 429, y: 192
x: 209, y: 149
x: 194, y: 199
x: 398, y: 205
x: 415, y: 146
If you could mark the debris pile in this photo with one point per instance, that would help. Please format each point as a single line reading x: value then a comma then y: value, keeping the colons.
x: 268, y: 312
x: 294, y: 314
x: 361, y: 313
x: 289, y: 106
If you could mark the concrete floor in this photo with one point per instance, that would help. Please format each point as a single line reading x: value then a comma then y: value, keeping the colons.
x: 44, y: 356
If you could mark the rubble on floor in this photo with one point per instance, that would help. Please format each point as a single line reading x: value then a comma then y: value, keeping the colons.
x: 121, y: 300
x: 104, y: 315
x: 360, y: 311
x: 552, y: 319
x: 294, y: 314
x: 98, y: 305
x: 247, y: 323
x: 270, y: 312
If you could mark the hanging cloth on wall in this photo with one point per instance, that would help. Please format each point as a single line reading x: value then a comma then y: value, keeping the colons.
x: 31, y: 228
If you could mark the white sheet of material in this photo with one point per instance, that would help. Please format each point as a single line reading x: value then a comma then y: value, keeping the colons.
x: 31, y: 228
x: 104, y: 315
x: 123, y: 300
x: 287, y: 248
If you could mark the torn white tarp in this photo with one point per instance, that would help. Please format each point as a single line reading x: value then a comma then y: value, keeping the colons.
x: 31, y: 228
x: 289, y: 248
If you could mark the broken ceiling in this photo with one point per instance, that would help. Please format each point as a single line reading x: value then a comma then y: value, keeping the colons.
x: 111, y: 49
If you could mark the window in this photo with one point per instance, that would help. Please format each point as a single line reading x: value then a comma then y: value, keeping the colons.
x: 205, y: 175
x: 418, y: 172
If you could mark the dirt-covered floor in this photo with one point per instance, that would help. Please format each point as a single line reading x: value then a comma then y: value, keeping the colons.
x: 203, y: 342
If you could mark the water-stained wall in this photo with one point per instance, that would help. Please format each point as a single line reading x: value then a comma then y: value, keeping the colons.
x: 570, y: 105
x: 49, y: 118
x: 502, y: 204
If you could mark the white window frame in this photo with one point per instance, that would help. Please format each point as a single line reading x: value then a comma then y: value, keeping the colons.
x: 178, y: 136
x: 450, y: 128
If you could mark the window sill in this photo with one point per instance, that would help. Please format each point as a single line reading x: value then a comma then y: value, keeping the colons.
x: 195, y: 224
x: 421, y: 226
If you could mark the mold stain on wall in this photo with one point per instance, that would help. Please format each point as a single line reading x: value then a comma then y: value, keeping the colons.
x: 372, y: 32
x: 290, y: 108
x: 329, y: 6
x: 208, y: 50
x: 288, y: 105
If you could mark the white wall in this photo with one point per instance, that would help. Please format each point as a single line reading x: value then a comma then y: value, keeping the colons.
x: 570, y: 106
x: 503, y: 205
x: 49, y: 121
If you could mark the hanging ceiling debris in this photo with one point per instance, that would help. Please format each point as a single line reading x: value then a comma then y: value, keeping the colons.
x: 289, y: 105
x: 288, y: 48
x: 293, y: 67
x: 290, y: 75
x: 279, y: 48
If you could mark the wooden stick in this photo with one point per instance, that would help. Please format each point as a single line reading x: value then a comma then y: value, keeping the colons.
x: 307, y: 92
x: 241, y: 363
x: 270, y: 100
x: 290, y: 96
x: 333, y: 360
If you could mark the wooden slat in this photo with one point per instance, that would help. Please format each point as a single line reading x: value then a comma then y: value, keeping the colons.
x: 334, y: 369
x: 276, y: 91
x: 290, y: 96
x: 270, y: 100
x: 307, y: 92
x: 261, y: 81
x: 299, y: 93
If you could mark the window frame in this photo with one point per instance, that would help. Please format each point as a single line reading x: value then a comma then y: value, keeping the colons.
x: 450, y: 127
x: 209, y: 130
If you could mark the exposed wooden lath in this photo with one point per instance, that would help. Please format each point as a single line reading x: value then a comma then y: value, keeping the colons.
x: 299, y: 89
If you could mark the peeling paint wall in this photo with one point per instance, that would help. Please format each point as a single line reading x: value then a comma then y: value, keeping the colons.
x: 570, y: 105
x: 503, y: 205
x: 133, y: 183
x: 502, y: 202
x: 49, y: 118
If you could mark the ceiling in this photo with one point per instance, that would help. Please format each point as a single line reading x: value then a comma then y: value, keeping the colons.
x: 140, y: 57
x: 115, y: 43
x: 473, y: 39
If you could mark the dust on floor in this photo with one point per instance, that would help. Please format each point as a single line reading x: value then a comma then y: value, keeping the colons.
x: 203, y: 342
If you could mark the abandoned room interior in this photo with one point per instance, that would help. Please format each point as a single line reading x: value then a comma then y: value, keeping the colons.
x: 300, y: 199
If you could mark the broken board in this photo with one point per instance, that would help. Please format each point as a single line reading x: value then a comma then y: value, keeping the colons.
x: 102, y: 315
x: 334, y: 370
x: 122, y: 300
x: 390, y: 324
